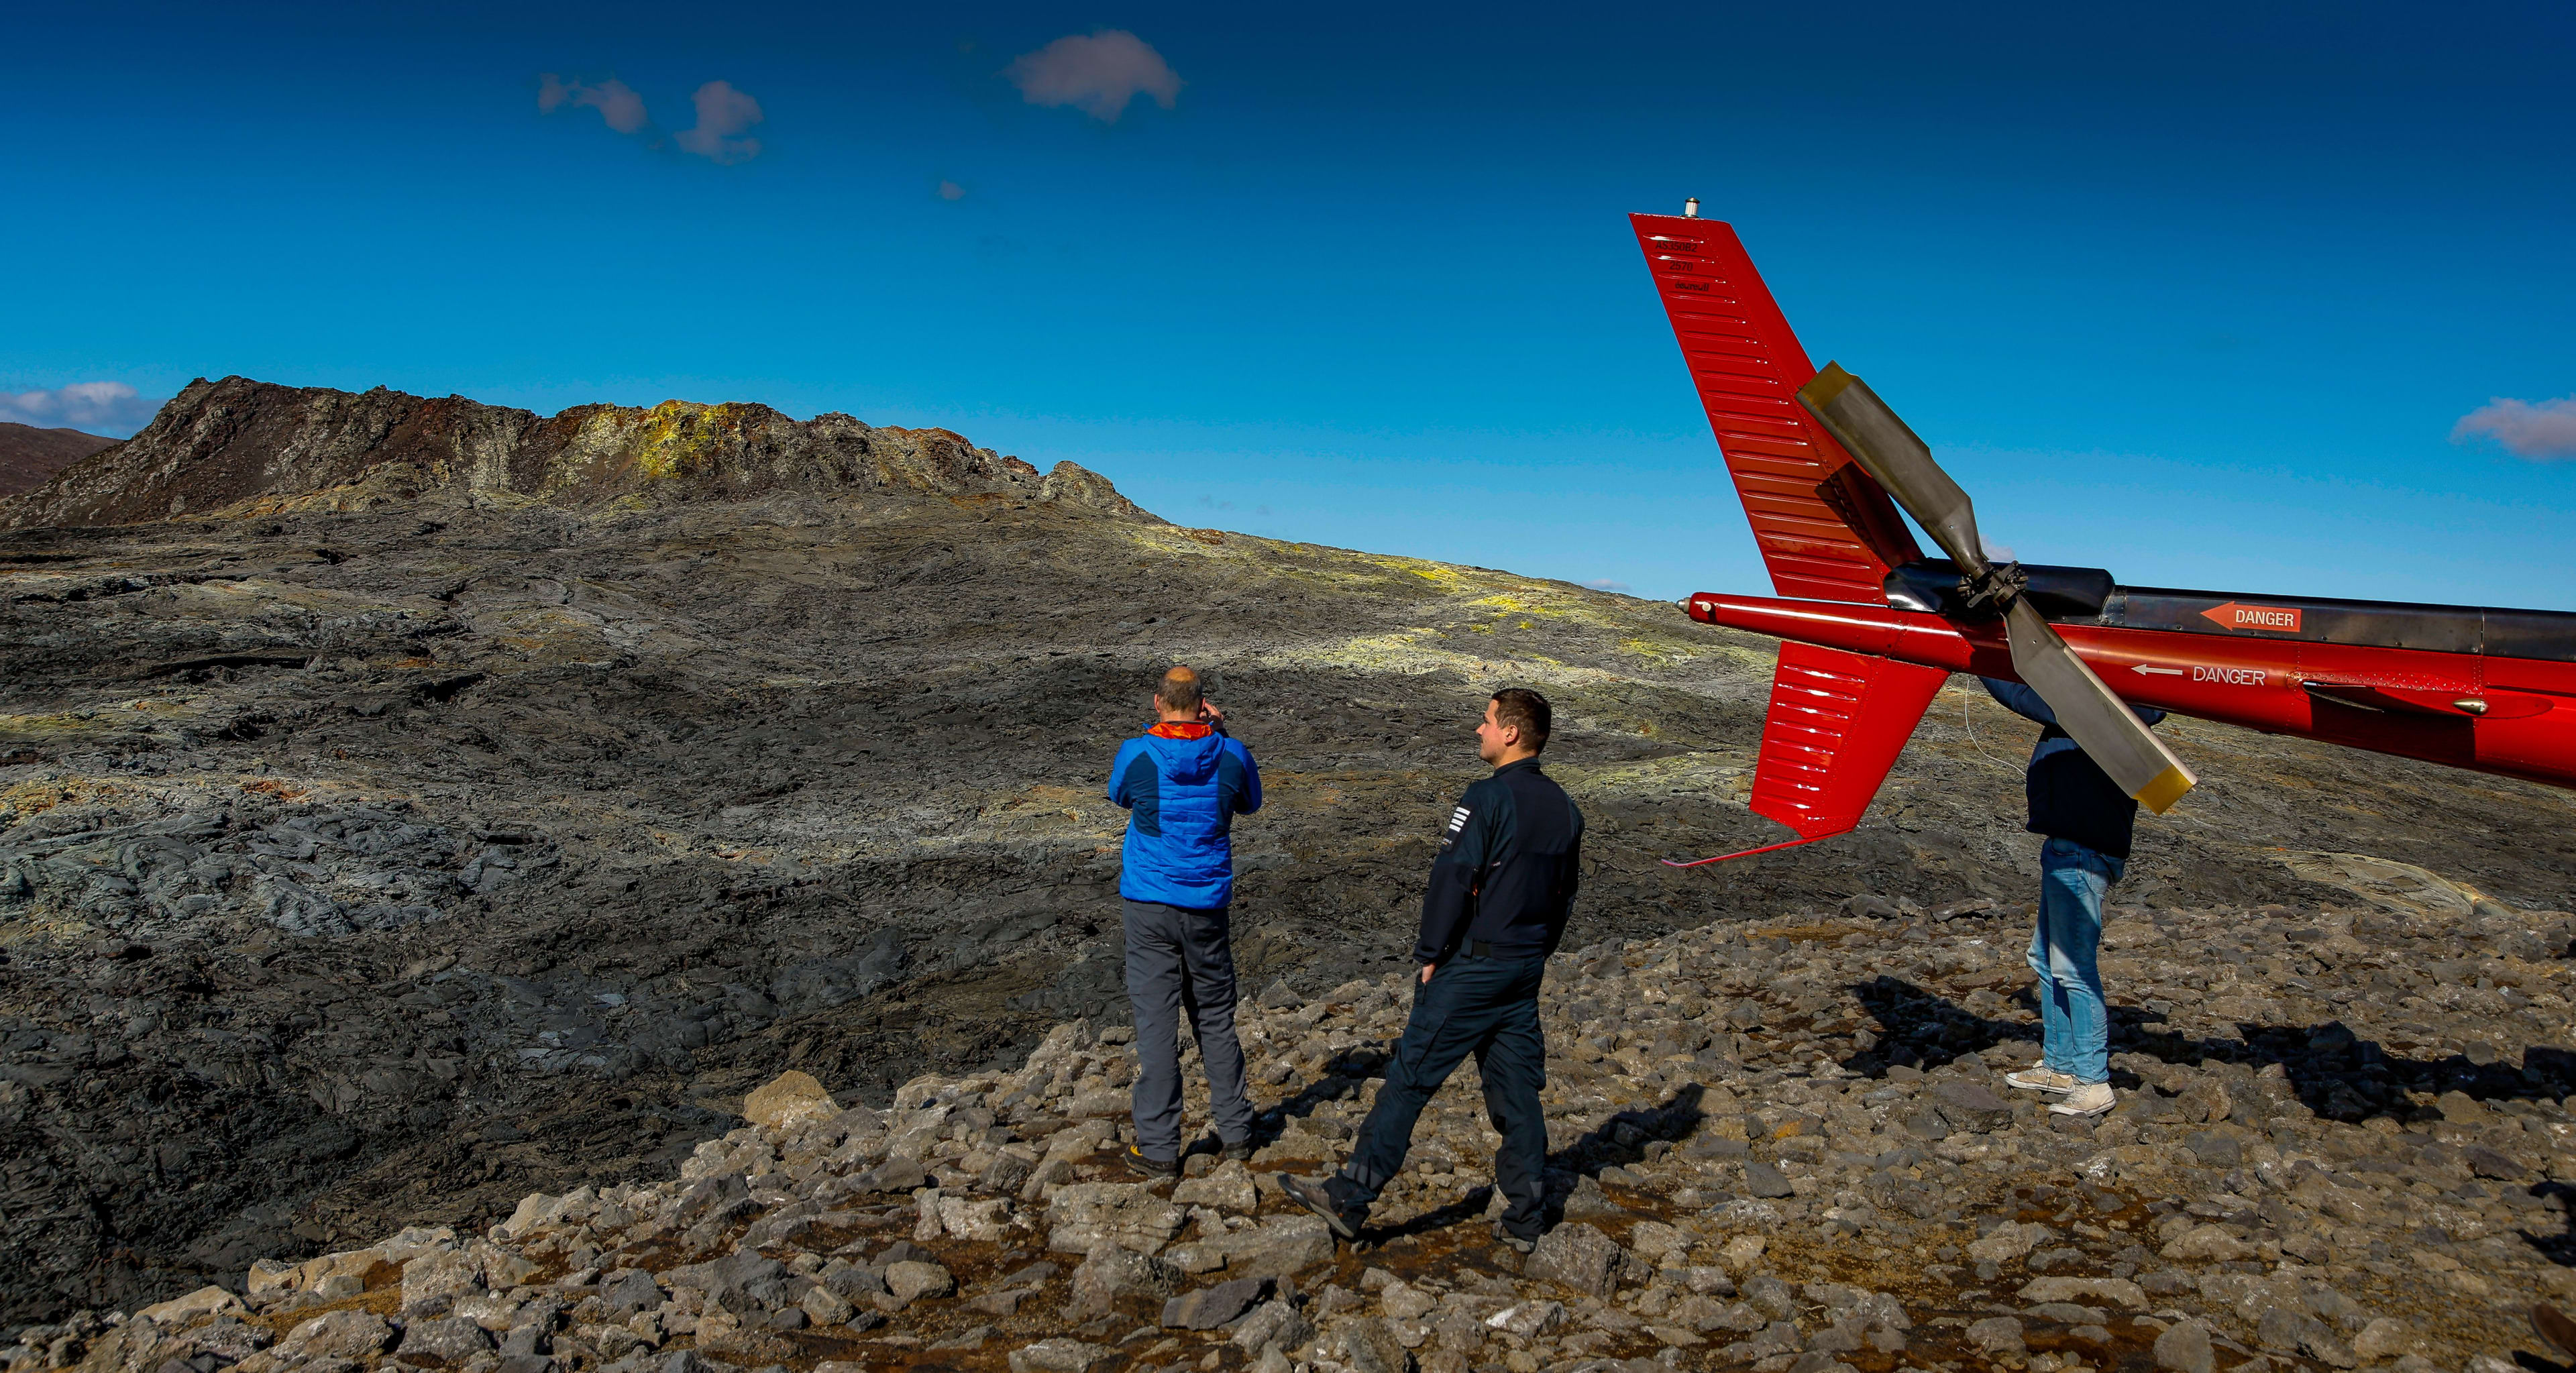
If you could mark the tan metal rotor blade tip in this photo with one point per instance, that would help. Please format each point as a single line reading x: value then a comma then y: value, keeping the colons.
x: 2168, y: 787
x: 1828, y: 384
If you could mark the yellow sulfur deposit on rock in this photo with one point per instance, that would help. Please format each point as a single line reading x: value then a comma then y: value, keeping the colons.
x: 788, y: 1099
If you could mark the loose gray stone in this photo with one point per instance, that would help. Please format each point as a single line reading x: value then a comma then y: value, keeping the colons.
x: 1369, y: 1346
x: 1763, y: 1180
x: 630, y: 1292
x: 2494, y: 1163
x: 1772, y: 1295
x: 451, y: 1339
x: 1209, y: 1307
x: 897, y: 1174
x: 1111, y: 1274
x: 1274, y: 1325
x: 1058, y: 1356
x: 1996, y: 1335
x: 913, y: 1281
x: 2184, y: 1348
x: 1580, y: 1257
x: 1968, y: 1106
x: 717, y: 1198
x: 338, y: 1335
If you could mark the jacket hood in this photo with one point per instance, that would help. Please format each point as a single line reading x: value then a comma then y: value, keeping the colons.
x: 1187, y: 761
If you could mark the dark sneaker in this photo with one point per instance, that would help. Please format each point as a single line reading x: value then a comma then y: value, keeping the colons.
x: 1319, y: 1198
x: 1518, y: 1244
x: 1137, y: 1162
x: 2551, y: 1324
x: 1238, y: 1152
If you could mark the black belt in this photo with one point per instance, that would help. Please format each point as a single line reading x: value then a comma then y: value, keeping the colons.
x: 1479, y: 949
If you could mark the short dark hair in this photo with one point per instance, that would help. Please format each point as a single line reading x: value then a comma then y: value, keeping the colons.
x: 1179, y: 689
x: 1525, y: 710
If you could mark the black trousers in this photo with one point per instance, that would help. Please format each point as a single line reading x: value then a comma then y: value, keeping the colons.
x: 1180, y: 963
x: 1482, y: 1006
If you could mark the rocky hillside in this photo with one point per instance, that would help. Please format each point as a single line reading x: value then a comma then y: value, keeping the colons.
x: 1774, y: 1145
x: 381, y: 842
x: 29, y: 455
x: 224, y: 447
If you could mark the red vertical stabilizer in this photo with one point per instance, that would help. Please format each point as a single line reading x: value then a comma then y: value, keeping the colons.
x: 1826, y: 530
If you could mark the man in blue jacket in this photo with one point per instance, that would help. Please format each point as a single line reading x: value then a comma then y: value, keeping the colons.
x: 1182, y: 782
x: 2086, y: 820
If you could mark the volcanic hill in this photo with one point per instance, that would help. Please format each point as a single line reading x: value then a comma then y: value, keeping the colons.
x: 406, y: 805
x: 29, y: 455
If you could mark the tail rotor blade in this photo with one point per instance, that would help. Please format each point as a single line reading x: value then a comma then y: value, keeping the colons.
x: 2087, y: 709
x: 2098, y: 719
x: 1890, y: 451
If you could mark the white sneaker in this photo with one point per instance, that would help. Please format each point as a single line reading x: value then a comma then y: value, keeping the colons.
x: 2088, y: 1099
x: 2038, y: 1078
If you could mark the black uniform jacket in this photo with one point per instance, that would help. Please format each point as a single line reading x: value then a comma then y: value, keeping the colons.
x: 2071, y: 797
x: 1507, y: 868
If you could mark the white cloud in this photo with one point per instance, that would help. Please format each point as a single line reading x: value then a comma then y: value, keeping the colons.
x: 2538, y: 431
x: 723, y: 112
x: 1099, y: 72
x: 1605, y: 584
x: 617, y: 102
x: 96, y: 407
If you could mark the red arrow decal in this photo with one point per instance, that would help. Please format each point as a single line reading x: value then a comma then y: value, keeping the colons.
x: 2277, y: 619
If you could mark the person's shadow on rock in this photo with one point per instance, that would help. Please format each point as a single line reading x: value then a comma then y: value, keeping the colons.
x: 2336, y: 1074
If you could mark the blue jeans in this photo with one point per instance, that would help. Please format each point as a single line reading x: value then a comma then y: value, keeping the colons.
x: 1482, y: 1006
x: 2072, y: 882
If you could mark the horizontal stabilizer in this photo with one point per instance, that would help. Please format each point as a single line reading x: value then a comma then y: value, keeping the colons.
x: 1836, y: 723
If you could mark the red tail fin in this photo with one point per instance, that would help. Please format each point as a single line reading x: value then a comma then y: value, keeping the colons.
x: 1826, y: 530
x: 1836, y: 723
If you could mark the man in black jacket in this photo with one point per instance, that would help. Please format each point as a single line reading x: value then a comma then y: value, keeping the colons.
x: 2087, y: 821
x: 1501, y: 886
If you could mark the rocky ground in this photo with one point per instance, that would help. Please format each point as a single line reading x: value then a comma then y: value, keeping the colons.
x: 1778, y: 1145
x: 394, y: 821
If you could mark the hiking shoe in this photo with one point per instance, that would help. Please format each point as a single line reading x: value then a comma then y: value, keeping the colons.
x: 1321, y: 1198
x: 2552, y: 1324
x: 1137, y: 1162
x: 2040, y: 1078
x: 1238, y: 1152
x: 2088, y: 1099
x: 1523, y: 1244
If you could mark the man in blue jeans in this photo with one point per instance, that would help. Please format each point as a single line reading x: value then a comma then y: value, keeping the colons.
x: 2086, y: 820
x: 1501, y: 888
x: 1182, y: 783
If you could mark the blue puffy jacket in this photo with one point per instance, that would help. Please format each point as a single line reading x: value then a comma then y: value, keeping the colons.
x: 1183, y: 784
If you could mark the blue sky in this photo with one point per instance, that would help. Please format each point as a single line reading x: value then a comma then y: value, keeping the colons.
x: 2196, y: 293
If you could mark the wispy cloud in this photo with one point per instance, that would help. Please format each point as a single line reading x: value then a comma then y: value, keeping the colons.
x: 1605, y: 584
x: 723, y: 112
x: 950, y: 190
x: 2537, y: 430
x: 1098, y: 72
x: 97, y: 407
x: 618, y: 104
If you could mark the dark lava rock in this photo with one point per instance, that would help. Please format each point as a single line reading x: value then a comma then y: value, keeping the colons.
x: 1763, y: 1180
x: 1580, y: 1257
x: 1209, y: 1307
x: 1970, y: 1106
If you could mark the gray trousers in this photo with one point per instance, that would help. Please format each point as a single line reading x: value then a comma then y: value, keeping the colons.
x: 1181, y: 960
